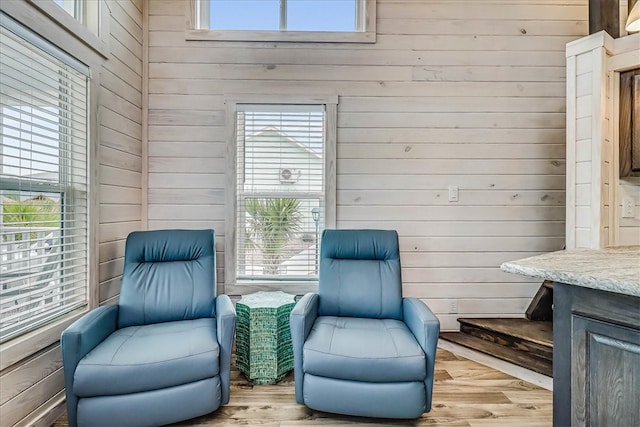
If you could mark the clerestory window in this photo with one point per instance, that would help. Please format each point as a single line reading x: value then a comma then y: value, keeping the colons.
x: 74, y: 8
x: 283, y: 20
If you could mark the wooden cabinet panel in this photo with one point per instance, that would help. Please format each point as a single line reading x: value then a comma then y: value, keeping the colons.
x: 604, y: 373
x: 630, y: 123
x: 596, y: 357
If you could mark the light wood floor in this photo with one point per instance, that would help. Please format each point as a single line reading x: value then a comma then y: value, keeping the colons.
x: 466, y: 394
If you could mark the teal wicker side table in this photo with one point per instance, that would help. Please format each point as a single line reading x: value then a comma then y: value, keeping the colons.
x: 263, y: 339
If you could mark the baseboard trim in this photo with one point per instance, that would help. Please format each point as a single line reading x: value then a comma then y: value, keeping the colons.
x: 524, y: 374
x: 47, y: 414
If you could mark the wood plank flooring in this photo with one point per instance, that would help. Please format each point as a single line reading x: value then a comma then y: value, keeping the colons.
x: 466, y: 394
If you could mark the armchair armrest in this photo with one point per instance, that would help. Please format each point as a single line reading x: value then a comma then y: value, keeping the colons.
x: 80, y: 338
x: 425, y: 326
x: 302, y: 317
x: 226, y: 327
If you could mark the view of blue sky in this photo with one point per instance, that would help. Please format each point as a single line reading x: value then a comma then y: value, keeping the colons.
x: 302, y: 15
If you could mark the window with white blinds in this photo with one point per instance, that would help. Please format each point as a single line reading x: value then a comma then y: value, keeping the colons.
x: 43, y: 181
x: 280, y: 194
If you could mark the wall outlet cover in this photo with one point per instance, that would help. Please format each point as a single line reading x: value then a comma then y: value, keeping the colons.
x: 628, y: 207
x: 453, y: 193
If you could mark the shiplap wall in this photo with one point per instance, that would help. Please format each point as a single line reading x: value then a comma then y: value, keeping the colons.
x: 466, y: 93
x: 629, y: 233
x: 120, y: 154
x: 32, y: 386
x: 589, y: 149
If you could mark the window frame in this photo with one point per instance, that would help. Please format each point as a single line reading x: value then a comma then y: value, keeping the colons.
x: 197, y: 18
x: 330, y: 102
x: 74, y: 8
x: 67, y: 190
x: 90, y: 28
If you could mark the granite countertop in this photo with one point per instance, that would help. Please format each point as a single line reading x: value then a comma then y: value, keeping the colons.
x: 610, y: 269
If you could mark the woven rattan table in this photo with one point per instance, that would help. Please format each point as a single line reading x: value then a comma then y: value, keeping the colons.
x: 263, y: 338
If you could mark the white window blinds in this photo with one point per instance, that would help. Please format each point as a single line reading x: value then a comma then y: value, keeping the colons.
x: 280, y: 206
x: 43, y: 181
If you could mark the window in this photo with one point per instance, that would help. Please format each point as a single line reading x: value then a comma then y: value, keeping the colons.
x: 284, y: 20
x: 43, y: 181
x: 83, y: 18
x: 72, y: 7
x: 283, y: 191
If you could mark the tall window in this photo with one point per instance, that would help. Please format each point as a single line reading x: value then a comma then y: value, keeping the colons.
x: 281, y: 203
x: 285, y: 20
x: 43, y: 181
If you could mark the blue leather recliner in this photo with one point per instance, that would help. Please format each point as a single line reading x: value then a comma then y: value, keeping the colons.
x: 163, y: 354
x: 359, y: 347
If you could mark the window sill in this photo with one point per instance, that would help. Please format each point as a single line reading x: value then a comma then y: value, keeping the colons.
x: 246, y: 287
x: 19, y: 348
x: 630, y: 180
x: 282, y: 36
x: 72, y: 26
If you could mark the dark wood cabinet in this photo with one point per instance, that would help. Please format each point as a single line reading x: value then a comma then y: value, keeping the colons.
x: 596, y: 360
x: 604, y: 374
x: 629, y: 117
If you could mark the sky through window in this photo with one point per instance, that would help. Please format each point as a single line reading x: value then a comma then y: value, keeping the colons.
x: 301, y: 15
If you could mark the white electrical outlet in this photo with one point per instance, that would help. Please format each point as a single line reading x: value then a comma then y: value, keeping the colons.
x: 628, y: 207
x: 453, y: 306
x: 453, y: 193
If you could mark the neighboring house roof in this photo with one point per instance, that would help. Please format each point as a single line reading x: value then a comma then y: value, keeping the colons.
x: 274, y: 132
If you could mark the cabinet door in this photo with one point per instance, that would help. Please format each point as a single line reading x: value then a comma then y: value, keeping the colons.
x: 605, y: 374
x: 629, y: 121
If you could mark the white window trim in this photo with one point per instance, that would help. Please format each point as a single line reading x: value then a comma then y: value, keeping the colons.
x: 197, y: 29
x: 331, y: 112
x: 22, y: 346
x: 92, y: 32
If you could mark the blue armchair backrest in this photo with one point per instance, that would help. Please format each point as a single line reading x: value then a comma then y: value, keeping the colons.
x: 360, y: 274
x: 168, y: 275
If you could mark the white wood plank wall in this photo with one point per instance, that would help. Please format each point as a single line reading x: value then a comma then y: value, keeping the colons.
x: 453, y: 93
x: 32, y: 386
x: 120, y: 154
x: 630, y: 227
x: 583, y: 142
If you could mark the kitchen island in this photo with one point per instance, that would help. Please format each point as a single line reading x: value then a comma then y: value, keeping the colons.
x: 596, y: 333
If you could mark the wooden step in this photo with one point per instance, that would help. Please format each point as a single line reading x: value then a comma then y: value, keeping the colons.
x: 540, y: 332
x: 520, y: 358
x: 534, y: 337
x: 541, y: 306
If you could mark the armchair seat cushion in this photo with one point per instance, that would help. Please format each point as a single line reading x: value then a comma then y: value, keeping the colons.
x: 363, y: 349
x: 149, y: 357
